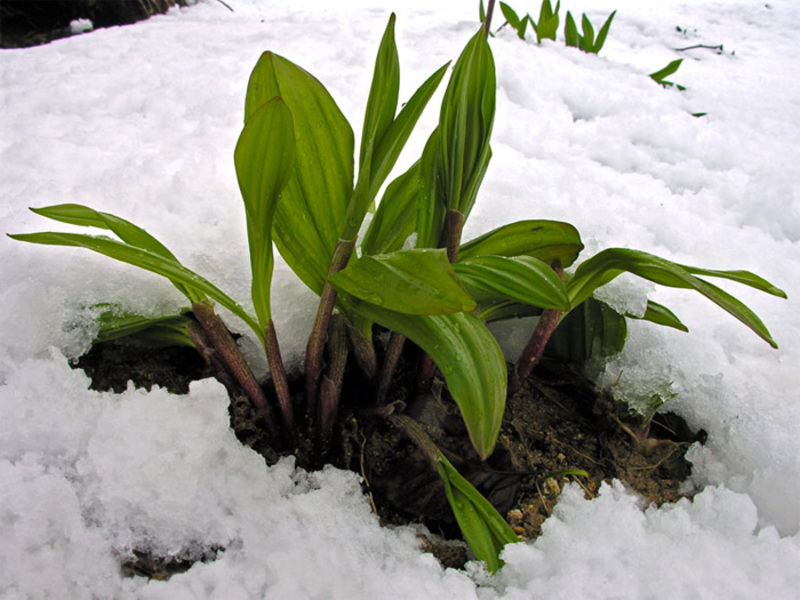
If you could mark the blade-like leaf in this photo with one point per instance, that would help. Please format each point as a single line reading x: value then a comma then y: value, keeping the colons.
x: 465, y: 125
x: 382, y: 100
x: 588, y: 34
x: 430, y: 208
x: 545, y: 240
x: 662, y: 74
x: 310, y: 216
x: 603, y: 33
x: 469, y: 358
x: 661, y: 315
x: 146, y: 260
x: 484, y: 529
x: 396, y: 216
x: 394, y: 139
x: 606, y: 265
x: 521, y: 278
x: 418, y: 282
x: 77, y: 214
x: 264, y: 159
x: 512, y: 18
x: 571, y: 32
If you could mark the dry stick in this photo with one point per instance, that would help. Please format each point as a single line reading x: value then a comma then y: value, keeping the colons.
x: 331, y: 387
x: 316, y: 342
x: 541, y: 335
x: 231, y: 356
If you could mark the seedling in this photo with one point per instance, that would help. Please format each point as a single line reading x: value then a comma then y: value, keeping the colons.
x: 586, y: 41
x: 661, y: 75
x: 296, y: 173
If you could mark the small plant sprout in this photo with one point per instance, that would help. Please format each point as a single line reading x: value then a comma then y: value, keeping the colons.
x: 661, y: 75
x: 587, y: 40
x: 306, y: 190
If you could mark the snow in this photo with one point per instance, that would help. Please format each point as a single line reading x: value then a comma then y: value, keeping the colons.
x: 141, y: 121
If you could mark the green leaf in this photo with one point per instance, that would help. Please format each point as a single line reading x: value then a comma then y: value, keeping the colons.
x: 660, y: 75
x: 571, y: 36
x: 603, y: 33
x: 505, y: 309
x: 264, y: 159
x: 418, y: 282
x: 164, y: 331
x: 591, y: 329
x: 513, y: 20
x: 311, y: 215
x: 484, y: 529
x: 545, y: 240
x: 465, y: 125
x: 521, y: 278
x: 469, y: 358
x: 588, y: 34
x: 661, y: 315
x: 430, y: 209
x: 383, y: 93
x: 606, y: 265
x: 396, y: 216
x: 77, y: 214
x: 144, y: 259
x: 394, y: 139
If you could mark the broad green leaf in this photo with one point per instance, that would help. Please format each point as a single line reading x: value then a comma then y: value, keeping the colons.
x: 484, y: 529
x: 606, y: 265
x: 396, y: 216
x: 314, y: 202
x: 417, y: 282
x: 469, y: 358
x: 545, y: 240
x: 144, y: 259
x: 465, y: 125
x: 264, y: 159
x: 521, y: 278
x: 548, y: 21
x: 590, y: 329
x: 661, y: 315
x: 743, y: 277
x: 77, y: 214
x: 603, y: 33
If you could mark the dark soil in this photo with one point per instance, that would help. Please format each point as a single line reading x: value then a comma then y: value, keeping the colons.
x: 557, y: 429
x: 25, y: 23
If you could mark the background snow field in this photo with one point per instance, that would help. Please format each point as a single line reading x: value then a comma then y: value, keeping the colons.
x: 142, y: 120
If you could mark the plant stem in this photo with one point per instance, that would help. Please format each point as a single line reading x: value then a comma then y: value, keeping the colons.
x: 487, y: 25
x: 331, y: 386
x: 393, y: 351
x: 541, y: 335
x: 364, y: 352
x: 278, y: 373
x: 417, y: 434
x: 231, y: 356
x: 316, y: 342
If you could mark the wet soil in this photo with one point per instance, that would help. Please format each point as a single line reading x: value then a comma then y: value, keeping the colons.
x: 557, y: 429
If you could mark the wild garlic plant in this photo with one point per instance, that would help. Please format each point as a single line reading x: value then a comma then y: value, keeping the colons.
x: 302, y: 192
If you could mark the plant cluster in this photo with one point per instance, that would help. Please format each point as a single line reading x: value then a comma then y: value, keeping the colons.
x: 547, y: 26
x: 409, y: 274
